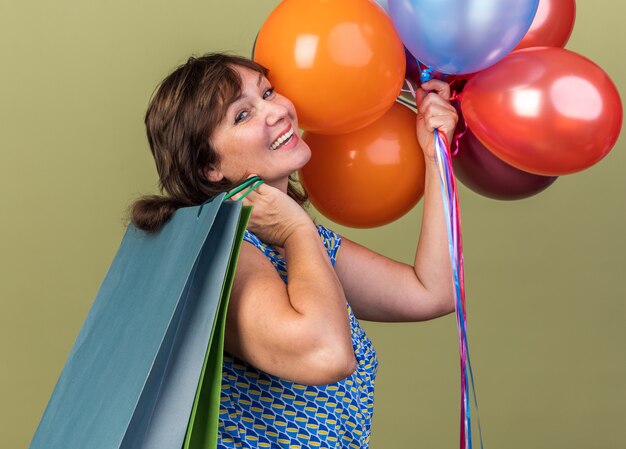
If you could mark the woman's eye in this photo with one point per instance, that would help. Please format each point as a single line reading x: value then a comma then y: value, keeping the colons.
x: 244, y: 114
x: 241, y: 116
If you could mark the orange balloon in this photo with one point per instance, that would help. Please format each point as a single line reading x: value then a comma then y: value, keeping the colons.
x: 341, y: 62
x: 369, y: 177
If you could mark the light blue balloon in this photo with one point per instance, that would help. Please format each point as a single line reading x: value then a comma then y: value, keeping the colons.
x: 383, y: 4
x: 461, y: 36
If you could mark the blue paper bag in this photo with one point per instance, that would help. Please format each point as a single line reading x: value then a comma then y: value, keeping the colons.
x: 132, y: 376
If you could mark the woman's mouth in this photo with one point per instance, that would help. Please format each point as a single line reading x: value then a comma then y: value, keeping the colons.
x: 283, y: 140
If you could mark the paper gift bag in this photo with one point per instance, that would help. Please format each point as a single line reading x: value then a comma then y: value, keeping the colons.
x: 202, y: 429
x: 132, y: 376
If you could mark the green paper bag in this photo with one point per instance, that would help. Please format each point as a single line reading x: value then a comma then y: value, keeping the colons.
x: 202, y: 430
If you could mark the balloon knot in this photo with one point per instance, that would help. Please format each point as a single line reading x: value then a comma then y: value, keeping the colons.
x: 426, y: 75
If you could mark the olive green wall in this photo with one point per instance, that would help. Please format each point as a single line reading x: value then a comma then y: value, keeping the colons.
x: 545, y: 276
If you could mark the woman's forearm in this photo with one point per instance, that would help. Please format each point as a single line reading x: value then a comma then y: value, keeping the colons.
x: 432, y: 259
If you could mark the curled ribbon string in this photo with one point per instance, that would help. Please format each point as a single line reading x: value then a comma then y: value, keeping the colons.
x: 411, y: 89
x: 455, y: 99
x: 455, y: 247
x: 457, y: 140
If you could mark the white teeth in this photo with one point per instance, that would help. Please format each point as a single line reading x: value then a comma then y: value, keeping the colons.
x: 282, y: 139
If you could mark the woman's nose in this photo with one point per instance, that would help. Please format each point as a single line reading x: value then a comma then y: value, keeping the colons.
x: 275, y: 112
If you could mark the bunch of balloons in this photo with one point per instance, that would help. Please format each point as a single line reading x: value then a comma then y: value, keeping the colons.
x: 530, y: 110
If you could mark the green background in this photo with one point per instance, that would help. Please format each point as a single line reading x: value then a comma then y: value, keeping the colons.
x: 544, y: 276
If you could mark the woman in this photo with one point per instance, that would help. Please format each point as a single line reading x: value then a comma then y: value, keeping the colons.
x: 298, y: 369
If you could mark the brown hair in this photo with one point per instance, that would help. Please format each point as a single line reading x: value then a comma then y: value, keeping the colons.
x: 183, y: 113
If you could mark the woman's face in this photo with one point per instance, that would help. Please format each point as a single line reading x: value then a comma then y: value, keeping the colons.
x: 259, y: 135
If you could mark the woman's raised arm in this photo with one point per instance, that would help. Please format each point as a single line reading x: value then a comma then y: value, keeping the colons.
x: 380, y: 289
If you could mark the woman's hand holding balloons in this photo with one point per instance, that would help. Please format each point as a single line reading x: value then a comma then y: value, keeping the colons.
x: 434, y: 112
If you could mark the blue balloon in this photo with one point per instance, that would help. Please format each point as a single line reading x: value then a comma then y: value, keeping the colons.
x: 461, y: 36
x: 383, y: 4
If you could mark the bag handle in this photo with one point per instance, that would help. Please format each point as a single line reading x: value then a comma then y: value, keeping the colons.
x: 249, y: 183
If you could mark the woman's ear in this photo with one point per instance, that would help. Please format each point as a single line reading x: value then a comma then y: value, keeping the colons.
x: 213, y: 174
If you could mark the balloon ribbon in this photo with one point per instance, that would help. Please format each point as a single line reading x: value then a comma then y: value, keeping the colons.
x: 455, y: 246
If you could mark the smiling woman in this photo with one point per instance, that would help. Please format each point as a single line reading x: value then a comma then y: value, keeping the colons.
x: 258, y: 135
x: 298, y: 368
x: 189, y: 105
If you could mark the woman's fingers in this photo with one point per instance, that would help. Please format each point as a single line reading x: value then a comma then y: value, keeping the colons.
x: 441, y: 88
x: 438, y: 88
x: 432, y: 99
x: 434, y: 105
x: 434, y: 112
x: 443, y: 123
x: 420, y: 94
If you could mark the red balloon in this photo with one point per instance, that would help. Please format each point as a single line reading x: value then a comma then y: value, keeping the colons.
x: 544, y: 110
x: 340, y: 61
x: 479, y: 170
x: 552, y: 25
x: 369, y: 177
